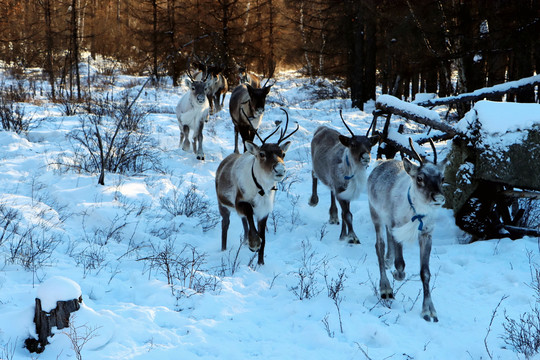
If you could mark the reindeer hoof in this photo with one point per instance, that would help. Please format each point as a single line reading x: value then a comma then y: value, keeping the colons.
x: 200, y: 157
x: 353, y: 239
x: 314, y: 200
x: 387, y: 296
x: 428, y: 318
x: 398, y: 275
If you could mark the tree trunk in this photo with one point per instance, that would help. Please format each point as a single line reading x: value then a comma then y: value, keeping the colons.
x: 370, y: 72
x: 75, y: 45
x: 356, y: 54
x: 49, y: 41
x: 45, y: 321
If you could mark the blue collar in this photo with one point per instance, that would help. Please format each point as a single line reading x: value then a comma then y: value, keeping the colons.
x: 348, y: 177
x: 416, y: 216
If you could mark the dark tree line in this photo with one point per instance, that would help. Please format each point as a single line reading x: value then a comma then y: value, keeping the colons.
x: 404, y: 46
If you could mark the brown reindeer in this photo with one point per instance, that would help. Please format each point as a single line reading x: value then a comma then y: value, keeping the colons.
x: 246, y: 106
x: 246, y: 77
x: 246, y: 183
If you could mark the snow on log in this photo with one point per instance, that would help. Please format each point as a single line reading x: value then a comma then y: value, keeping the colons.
x: 487, y: 92
x: 419, y: 114
x: 56, y: 299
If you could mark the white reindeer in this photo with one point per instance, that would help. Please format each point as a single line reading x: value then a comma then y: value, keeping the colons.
x: 340, y: 162
x: 246, y: 183
x: 192, y: 112
x: 403, y: 199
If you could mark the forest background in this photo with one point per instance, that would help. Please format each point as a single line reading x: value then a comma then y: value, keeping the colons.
x: 406, y: 47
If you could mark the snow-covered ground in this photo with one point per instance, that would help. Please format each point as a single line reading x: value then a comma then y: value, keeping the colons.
x: 115, y: 241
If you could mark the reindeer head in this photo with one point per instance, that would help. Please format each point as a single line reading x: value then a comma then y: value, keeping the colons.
x: 258, y: 98
x: 269, y: 156
x: 427, y: 178
x: 359, y: 146
x: 198, y: 88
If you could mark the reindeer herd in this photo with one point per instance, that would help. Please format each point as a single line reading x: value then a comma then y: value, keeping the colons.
x: 403, y: 197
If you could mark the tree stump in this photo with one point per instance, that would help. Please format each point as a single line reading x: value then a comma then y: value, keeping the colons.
x: 45, y: 321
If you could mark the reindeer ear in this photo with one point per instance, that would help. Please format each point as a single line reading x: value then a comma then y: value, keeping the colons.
x: 346, y: 141
x: 187, y: 82
x: 252, y: 148
x: 374, y: 140
x: 266, y: 89
x: 284, y: 147
x: 410, y: 168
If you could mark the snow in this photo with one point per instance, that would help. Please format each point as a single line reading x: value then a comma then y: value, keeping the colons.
x: 109, y: 240
x: 410, y: 108
x: 57, y: 288
x: 496, y: 118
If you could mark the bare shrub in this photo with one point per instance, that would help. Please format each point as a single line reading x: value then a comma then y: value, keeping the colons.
x: 335, y: 287
x: 13, y: 116
x: 231, y: 263
x: 8, y: 350
x: 184, y: 270
x: 105, y: 142
x: 79, y: 336
x: 307, y: 273
x: 323, y: 89
x: 68, y: 106
x: 523, y: 334
x: 191, y: 203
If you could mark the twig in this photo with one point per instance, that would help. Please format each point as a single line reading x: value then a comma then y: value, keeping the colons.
x: 504, y: 297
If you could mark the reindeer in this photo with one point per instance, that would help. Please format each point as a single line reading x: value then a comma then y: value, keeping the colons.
x: 340, y: 162
x: 217, y: 85
x: 246, y: 107
x: 246, y: 183
x: 192, y: 112
x: 403, y: 198
x: 218, y: 88
x: 245, y: 77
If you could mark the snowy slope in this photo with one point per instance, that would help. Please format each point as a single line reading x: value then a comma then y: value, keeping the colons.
x: 109, y: 240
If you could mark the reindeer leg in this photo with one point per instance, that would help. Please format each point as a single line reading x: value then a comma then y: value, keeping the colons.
x: 428, y: 310
x: 390, y: 251
x: 314, y: 200
x: 347, y: 232
x: 235, y: 140
x: 225, y: 221
x: 262, y: 234
x: 185, y: 136
x: 333, y: 209
x: 245, y: 210
x: 386, y: 291
x: 396, y: 256
x: 246, y: 229
x: 199, y: 151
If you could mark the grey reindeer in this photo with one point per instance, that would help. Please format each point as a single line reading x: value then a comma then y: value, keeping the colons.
x: 340, y: 162
x: 403, y: 199
x: 246, y: 183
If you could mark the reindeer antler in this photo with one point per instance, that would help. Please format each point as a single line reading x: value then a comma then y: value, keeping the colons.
x: 271, y: 73
x: 282, y: 133
x: 434, y: 151
x: 188, y: 71
x: 414, y: 151
x: 263, y: 141
x: 347, y: 126
x: 281, y: 138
